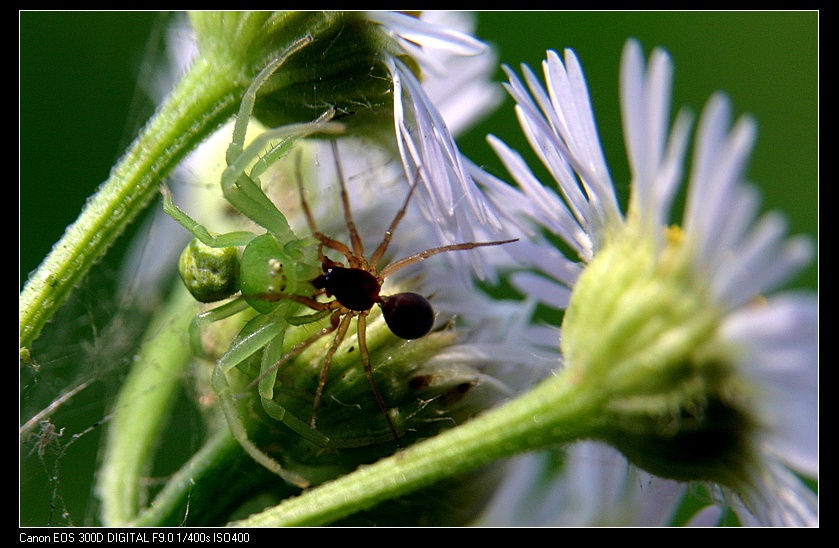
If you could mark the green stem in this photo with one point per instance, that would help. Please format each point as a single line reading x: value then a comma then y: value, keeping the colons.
x: 141, y: 410
x: 206, y: 97
x: 554, y: 412
x: 202, y: 492
x: 172, y: 506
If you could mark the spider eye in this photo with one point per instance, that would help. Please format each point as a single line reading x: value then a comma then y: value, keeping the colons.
x: 263, y: 272
x: 408, y: 315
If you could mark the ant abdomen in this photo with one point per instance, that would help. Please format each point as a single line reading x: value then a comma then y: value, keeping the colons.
x: 408, y: 315
x: 354, y: 288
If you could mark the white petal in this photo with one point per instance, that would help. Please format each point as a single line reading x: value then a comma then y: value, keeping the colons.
x: 427, y: 34
x: 779, y: 345
x: 541, y: 288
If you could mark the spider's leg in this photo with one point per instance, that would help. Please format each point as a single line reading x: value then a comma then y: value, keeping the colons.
x: 240, y: 433
x: 368, y: 372
x: 210, y: 316
x: 295, y: 351
x: 327, y: 359
x: 231, y: 239
x: 249, y: 98
x: 243, y: 190
x: 401, y: 263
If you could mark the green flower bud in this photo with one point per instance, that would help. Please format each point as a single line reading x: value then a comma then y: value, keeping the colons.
x: 334, y: 60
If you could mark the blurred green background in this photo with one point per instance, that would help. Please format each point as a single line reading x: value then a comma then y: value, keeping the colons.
x: 81, y: 104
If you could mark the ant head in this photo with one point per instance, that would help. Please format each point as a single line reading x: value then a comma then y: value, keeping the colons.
x: 408, y: 315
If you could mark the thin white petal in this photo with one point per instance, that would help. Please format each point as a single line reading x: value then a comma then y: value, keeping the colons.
x: 427, y: 34
x: 545, y: 290
x: 779, y: 342
x: 543, y: 205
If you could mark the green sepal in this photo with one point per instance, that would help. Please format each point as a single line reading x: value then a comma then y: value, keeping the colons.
x: 340, y: 66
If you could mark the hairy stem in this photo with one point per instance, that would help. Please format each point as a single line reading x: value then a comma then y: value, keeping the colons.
x: 205, y: 97
x: 142, y: 408
x: 554, y: 412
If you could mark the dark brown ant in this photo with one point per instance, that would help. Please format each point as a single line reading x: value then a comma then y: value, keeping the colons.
x: 356, y: 288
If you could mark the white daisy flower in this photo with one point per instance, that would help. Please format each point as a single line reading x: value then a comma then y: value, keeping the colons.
x: 596, y: 487
x: 710, y: 376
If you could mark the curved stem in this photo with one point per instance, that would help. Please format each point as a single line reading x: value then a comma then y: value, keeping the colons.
x: 553, y: 412
x: 201, y: 490
x: 142, y: 409
x: 206, y: 96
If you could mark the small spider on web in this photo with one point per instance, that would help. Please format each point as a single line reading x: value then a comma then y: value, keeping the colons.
x: 47, y: 435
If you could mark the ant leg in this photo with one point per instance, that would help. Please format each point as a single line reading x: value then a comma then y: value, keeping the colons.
x: 327, y: 359
x: 368, y: 372
x: 355, y: 239
x: 310, y: 220
x: 377, y: 255
x: 401, y: 263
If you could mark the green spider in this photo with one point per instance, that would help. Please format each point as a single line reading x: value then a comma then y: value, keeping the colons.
x: 288, y: 281
x: 212, y: 268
